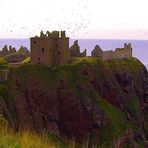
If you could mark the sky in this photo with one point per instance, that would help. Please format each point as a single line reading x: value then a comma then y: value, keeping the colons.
x: 103, y: 19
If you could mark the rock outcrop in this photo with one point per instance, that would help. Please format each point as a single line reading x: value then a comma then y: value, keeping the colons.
x: 106, y: 100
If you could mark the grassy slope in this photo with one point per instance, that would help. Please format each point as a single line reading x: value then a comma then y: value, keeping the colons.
x: 3, y: 63
x: 28, y: 139
x: 71, y: 74
x: 27, y: 60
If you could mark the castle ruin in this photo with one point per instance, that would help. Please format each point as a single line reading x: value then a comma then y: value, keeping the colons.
x: 119, y: 53
x: 5, y: 51
x: 50, y: 49
x: 75, y: 50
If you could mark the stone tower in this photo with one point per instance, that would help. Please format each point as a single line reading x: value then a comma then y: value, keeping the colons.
x: 50, y: 49
x: 128, y: 49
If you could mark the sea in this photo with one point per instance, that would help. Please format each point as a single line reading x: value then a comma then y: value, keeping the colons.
x: 140, y: 47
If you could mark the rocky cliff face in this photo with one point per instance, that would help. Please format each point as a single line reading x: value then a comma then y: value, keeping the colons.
x: 86, y: 99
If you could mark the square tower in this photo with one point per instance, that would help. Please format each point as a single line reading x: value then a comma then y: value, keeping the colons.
x: 51, y: 49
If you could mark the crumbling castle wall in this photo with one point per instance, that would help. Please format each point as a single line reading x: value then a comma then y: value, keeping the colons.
x: 97, y: 52
x: 5, y: 51
x: 50, y: 49
x: 108, y: 55
x: 75, y: 50
x: 119, y: 53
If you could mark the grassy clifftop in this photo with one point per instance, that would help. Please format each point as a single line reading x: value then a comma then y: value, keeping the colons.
x: 86, y: 99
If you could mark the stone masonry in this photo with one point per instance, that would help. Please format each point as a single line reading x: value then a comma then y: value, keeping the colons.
x: 51, y: 49
x: 119, y: 53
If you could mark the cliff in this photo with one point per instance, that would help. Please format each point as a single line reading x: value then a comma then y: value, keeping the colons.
x: 103, y: 101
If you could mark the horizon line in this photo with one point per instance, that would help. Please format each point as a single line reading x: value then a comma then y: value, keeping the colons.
x: 81, y: 38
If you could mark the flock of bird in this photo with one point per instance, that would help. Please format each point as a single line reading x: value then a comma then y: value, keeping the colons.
x: 74, y: 23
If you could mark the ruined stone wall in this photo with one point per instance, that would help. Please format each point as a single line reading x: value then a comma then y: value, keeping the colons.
x: 5, y: 51
x: 122, y: 54
x: 74, y: 50
x: 97, y: 52
x: 42, y: 51
x: 108, y: 55
x: 119, y: 53
x: 64, y: 50
x: 60, y: 51
x: 50, y: 51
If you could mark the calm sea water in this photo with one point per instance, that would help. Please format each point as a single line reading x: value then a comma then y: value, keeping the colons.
x: 140, y: 47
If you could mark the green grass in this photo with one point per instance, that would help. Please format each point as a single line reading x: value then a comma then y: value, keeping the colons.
x: 117, y: 125
x: 118, y: 120
x: 125, y: 65
x: 86, y: 60
x: 25, y: 139
x: 132, y: 105
x: 26, y: 61
x: 29, y: 138
x: 3, y: 63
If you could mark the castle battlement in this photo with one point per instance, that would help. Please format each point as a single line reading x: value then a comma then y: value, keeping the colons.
x: 52, y: 35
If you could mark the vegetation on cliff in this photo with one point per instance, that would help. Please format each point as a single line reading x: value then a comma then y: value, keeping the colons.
x: 3, y: 63
x: 86, y: 99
